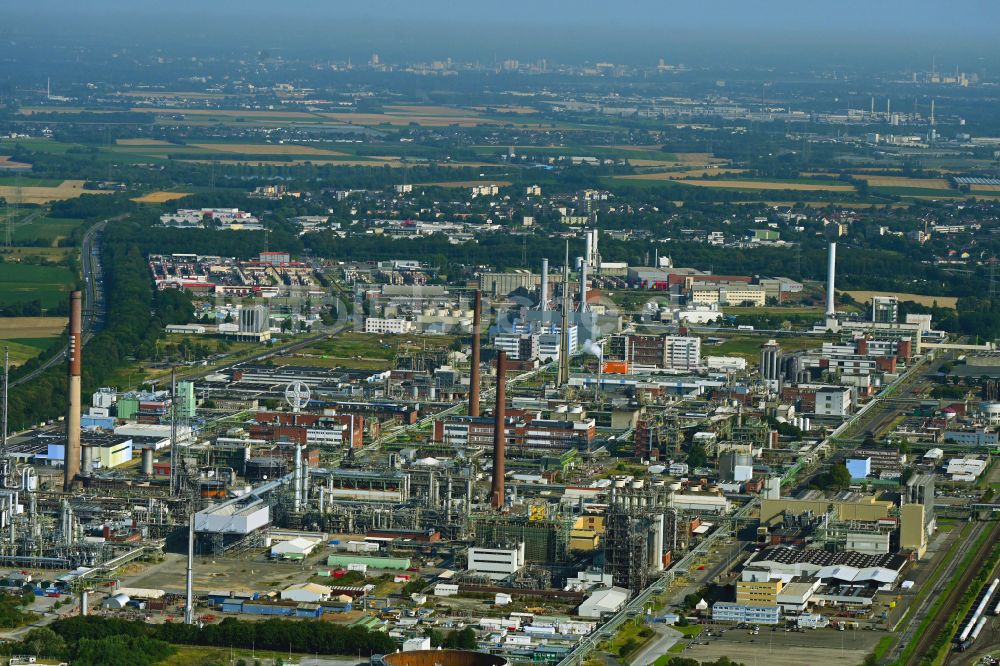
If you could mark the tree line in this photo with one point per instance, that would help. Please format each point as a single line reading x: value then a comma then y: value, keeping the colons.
x: 103, y: 641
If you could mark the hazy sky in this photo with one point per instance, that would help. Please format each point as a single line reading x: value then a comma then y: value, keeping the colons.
x: 722, y: 30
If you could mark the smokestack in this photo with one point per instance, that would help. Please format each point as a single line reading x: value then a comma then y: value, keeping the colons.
x: 499, y: 438
x: 477, y: 324
x: 831, y: 272
x: 589, y: 238
x: 543, y: 296
x: 189, y: 597
x: 583, y: 286
x: 564, y: 327
x: 75, y: 350
x: 298, y: 477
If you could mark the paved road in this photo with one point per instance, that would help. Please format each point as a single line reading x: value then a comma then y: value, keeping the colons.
x: 666, y: 638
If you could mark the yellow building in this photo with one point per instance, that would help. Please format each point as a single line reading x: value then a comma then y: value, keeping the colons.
x: 865, y: 509
x: 912, y: 531
x: 758, y: 593
x: 586, y: 533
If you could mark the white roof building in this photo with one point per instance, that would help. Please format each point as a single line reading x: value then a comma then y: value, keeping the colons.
x: 966, y: 469
x: 309, y: 593
x: 296, y: 548
x: 421, y: 643
x: 117, y: 602
x: 601, y: 602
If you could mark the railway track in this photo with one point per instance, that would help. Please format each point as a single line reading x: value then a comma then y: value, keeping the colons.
x: 937, y: 624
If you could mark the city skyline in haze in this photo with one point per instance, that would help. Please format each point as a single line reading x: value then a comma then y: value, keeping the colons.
x: 726, y: 32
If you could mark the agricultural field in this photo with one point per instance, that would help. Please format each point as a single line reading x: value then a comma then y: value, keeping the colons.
x: 794, y: 185
x: 7, y: 163
x: 903, y: 181
x: 160, y: 197
x: 34, y: 194
x: 31, y: 228
x: 680, y: 174
x: 142, y: 142
x: 24, y: 338
x: 21, y: 283
x: 465, y: 183
x: 862, y: 296
x: 268, y: 149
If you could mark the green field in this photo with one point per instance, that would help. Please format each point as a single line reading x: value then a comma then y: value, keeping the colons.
x: 28, y: 181
x: 47, y: 229
x: 23, y: 350
x: 363, y: 351
x: 578, y: 150
x: 748, y: 347
x: 916, y: 192
x: 25, y: 282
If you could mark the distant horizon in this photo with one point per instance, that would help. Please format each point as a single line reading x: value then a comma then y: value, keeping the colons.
x: 888, y: 35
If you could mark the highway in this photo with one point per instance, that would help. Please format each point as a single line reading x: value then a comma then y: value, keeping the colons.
x: 93, y: 297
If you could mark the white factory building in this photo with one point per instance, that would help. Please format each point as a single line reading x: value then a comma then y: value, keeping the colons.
x: 496, y: 563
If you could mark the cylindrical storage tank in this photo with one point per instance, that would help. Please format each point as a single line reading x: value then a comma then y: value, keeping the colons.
x: 619, y: 483
x: 675, y: 486
x: 147, y: 462
x: 637, y: 483
x: 444, y: 658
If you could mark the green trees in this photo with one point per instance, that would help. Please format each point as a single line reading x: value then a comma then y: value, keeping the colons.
x: 835, y: 478
x: 697, y: 456
x: 272, y: 634
x: 464, y: 639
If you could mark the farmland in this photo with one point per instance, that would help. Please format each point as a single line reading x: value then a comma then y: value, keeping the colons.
x: 21, y: 283
x: 902, y: 181
x: 267, y: 149
x: 27, y: 337
x: 466, y: 183
x: 793, y: 185
x: 160, y: 197
x: 34, y: 194
x: 942, y: 301
x: 34, y: 229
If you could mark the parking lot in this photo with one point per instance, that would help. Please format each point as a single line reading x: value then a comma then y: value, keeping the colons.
x: 785, y: 648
